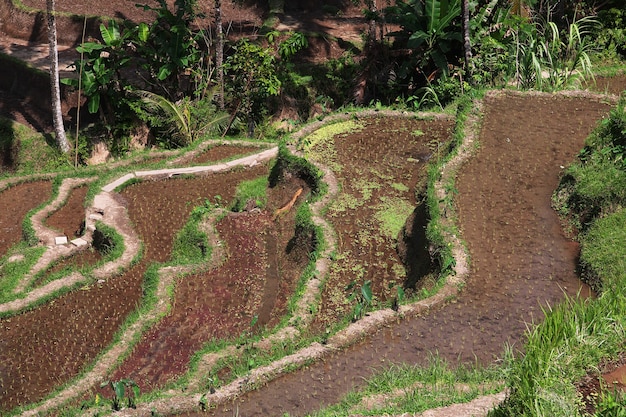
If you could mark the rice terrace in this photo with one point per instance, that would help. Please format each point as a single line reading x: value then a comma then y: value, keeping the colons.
x: 382, y: 259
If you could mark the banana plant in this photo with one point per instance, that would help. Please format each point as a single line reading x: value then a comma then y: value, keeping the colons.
x: 100, y: 69
x: 169, y: 46
x: 430, y: 28
x: 182, y: 122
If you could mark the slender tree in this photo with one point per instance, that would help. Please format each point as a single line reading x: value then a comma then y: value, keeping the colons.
x: 467, y: 46
x: 219, y: 52
x: 57, y: 115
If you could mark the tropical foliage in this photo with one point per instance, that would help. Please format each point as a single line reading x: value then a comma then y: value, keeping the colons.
x: 421, y: 63
x: 431, y: 31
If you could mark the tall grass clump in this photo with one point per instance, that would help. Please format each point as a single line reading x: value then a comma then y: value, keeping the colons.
x: 559, y: 352
x: 595, y: 185
x: 254, y: 191
x: 191, y: 244
x: 108, y: 242
x: 290, y: 164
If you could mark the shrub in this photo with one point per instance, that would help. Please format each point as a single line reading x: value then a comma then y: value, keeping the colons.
x: 596, y: 184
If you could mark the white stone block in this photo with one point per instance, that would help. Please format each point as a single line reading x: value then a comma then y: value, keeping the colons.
x: 80, y: 242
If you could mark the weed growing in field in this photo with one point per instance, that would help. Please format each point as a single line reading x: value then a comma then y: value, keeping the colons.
x: 363, y: 297
x: 119, y: 393
x: 254, y: 191
x: 319, y: 146
x: 391, y: 214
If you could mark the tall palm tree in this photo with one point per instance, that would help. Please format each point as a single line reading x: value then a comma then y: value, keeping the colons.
x: 57, y: 115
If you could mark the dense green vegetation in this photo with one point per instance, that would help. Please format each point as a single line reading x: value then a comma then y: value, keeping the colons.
x: 183, y: 95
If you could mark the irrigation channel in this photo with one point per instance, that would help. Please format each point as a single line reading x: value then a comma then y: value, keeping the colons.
x: 521, y: 260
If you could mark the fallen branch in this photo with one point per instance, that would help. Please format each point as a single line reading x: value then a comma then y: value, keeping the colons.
x: 288, y: 206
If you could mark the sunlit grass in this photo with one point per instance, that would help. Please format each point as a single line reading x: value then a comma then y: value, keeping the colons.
x: 32, y: 151
x: 414, y: 389
x: 12, y: 270
x: 253, y: 190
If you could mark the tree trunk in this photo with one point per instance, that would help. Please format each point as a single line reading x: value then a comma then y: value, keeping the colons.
x: 219, y: 52
x: 57, y: 115
x: 373, y: 10
x: 467, y: 45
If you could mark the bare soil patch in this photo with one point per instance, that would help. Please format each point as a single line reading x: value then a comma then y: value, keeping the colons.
x: 70, y: 219
x: 610, y: 376
x: 16, y: 202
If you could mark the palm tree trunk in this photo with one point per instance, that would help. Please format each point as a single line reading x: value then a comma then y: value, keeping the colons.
x: 57, y: 115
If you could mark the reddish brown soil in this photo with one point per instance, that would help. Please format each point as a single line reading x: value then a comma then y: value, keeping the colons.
x: 15, y: 203
x: 610, y: 376
x: 257, y: 277
x: 69, y: 219
x: 49, y: 345
x: 612, y: 85
x: 383, y: 163
x: 521, y: 259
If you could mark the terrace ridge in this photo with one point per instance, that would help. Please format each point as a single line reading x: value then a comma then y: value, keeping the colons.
x: 110, y: 212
